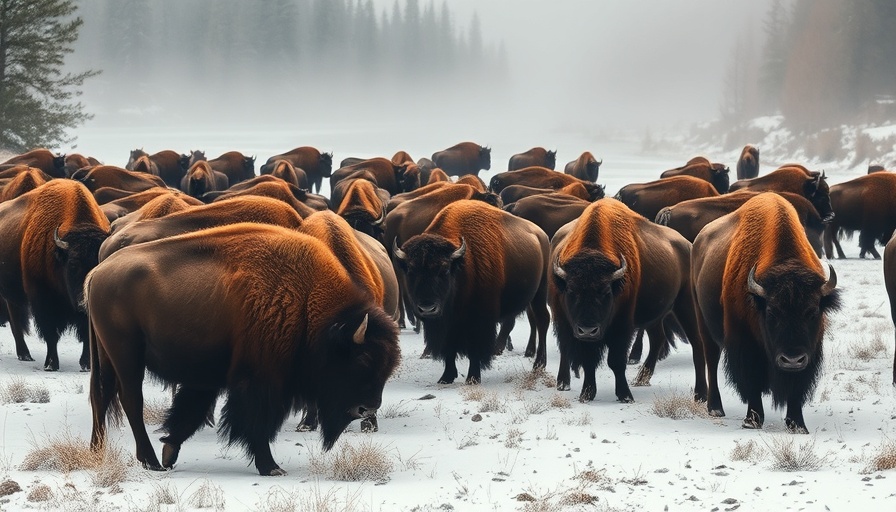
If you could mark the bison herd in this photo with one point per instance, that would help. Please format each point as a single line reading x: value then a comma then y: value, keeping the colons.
x: 218, y: 281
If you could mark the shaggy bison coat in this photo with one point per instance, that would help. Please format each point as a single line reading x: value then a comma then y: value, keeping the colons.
x: 316, y: 165
x: 535, y: 156
x: 473, y: 267
x: 235, y: 165
x: 363, y: 207
x: 762, y: 296
x: 170, y: 165
x: 586, y: 167
x: 275, y: 188
x: 748, y: 163
x: 287, y: 328
x: 43, y: 159
x: 102, y: 176
x: 51, y: 238
x: 717, y: 174
x: 26, y: 180
x: 651, y: 197
x: 550, y: 212
x: 463, y: 158
x: 797, y: 179
x: 864, y: 204
x: 613, y: 271
x: 538, y: 177
x: 583, y: 190
x: 201, y: 178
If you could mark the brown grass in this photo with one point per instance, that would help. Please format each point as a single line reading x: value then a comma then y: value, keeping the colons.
x: 314, y: 500
x: 208, y: 495
x: 884, y: 459
x: 514, y: 438
x: 20, y: 391
x: 489, y: 401
x: 559, y: 401
x: 868, y: 350
x: 40, y: 492
x: 677, y: 406
x: 66, y: 453
x: 787, y: 455
x: 354, y: 462
x: 748, y: 451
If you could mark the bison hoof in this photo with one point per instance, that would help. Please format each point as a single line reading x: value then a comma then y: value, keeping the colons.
x: 445, y: 380
x: 587, y: 395
x: 633, y: 361
x: 794, y: 428
x: 169, y: 454
x: 370, y: 425
x: 626, y: 399
x: 529, y: 353
x: 304, y: 427
x: 716, y: 413
x: 275, y: 471
x: 562, y: 386
x: 752, y: 421
x: 153, y: 466
x: 472, y: 381
x: 26, y: 357
x: 51, y: 368
x: 85, y: 368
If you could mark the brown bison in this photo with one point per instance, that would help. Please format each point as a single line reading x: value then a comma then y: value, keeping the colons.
x: 717, y: 174
x: 763, y: 297
x: 586, y: 167
x: 144, y: 164
x: 463, y: 158
x: 537, y: 156
x: 397, y: 199
x: 386, y: 175
x: 538, y: 177
x: 287, y: 328
x: 130, y: 203
x: 435, y: 175
x: 651, y: 197
x: 289, y: 173
x: 26, y: 180
x: 473, y: 267
x: 614, y: 271
x: 111, y: 176
x: 689, y: 217
x: 75, y: 161
x: 236, y: 166
x: 890, y: 283
x: 363, y: 208
x: 748, y: 163
x: 170, y: 165
x: 43, y: 159
x: 550, y: 212
x: 262, y: 210
x: 303, y: 202
x: 876, y: 168
x: 797, y: 179
x: 201, y: 178
x: 584, y: 190
x: 51, y: 238
x: 160, y: 206
x: 864, y: 204
x: 402, y: 157
x: 316, y: 165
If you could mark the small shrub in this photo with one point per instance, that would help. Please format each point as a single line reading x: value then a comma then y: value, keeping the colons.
x: 514, y: 438
x: 313, y: 500
x: 208, y: 495
x: 8, y: 487
x: 394, y: 410
x: 559, y: 401
x: 884, y: 459
x: 40, y: 492
x: 535, y: 406
x: 364, y: 461
x: 582, y: 420
x: 20, y: 391
x: 746, y: 451
x: 66, y: 453
x: 788, y: 456
x: 678, y: 406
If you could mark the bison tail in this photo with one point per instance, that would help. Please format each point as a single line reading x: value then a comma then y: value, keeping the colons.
x: 673, y: 330
x: 114, y: 414
x: 664, y: 216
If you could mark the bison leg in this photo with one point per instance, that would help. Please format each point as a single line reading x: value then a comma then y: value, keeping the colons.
x: 616, y: 359
x: 538, y: 310
x: 634, y: 355
x: 310, y: 420
x: 450, y: 372
x: 474, y: 373
x: 130, y: 374
x: 18, y: 321
x: 81, y: 331
x: 866, y: 244
x: 103, y: 388
x: 563, y: 373
x: 832, y: 242
x: 253, y: 414
x: 755, y: 413
x: 794, y: 419
x: 188, y: 413
x: 589, y: 386
x: 657, y: 336
x: 685, y: 311
x: 503, y: 339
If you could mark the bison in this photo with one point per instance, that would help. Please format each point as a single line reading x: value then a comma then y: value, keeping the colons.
x: 748, y: 163
x: 863, y: 204
x: 890, y: 283
x: 717, y: 174
x: 303, y: 202
x: 286, y: 328
x: 463, y: 158
x: 289, y: 173
x: 762, y: 296
x: 51, y: 238
x: 386, y: 175
x: 583, y: 190
x: 586, y: 167
x: 473, y: 267
x: 550, y: 212
x: 316, y: 165
x: 171, y: 165
x: 651, y: 197
x: 201, y: 178
x: 538, y: 177
x: 797, y: 179
x: 535, y: 156
x: 75, y: 161
x: 613, y: 271
x: 97, y: 177
x: 43, y: 159
x: 235, y: 165
x: 363, y: 207
x: 26, y: 180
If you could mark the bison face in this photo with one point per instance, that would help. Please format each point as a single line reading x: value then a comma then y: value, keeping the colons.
x: 589, y: 284
x: 77, y: 253
x: 485, y: 158
x: 361, y: 353
x: 595, y: 191
x: 720, y: 178
x: 326, y: 164
x: 592, y: 169
x: 817, y: 192
x: 550, y: 159
x: 430, y: 264
x: 791, y: 302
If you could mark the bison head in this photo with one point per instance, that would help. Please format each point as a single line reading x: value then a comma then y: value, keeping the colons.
x: 249, y: 164
x: 592, y: 169
x: 77, y: 253
x: 485, y: 158
x: 791, y: 301
x: 817, y: 191
x: 720, y: 177
x: 550, y: 159
x: 589, y: 284
x: 326, y: 164
x: 595, y: 191
x: 183, y: 161
x: 361, y: 352
x: 430, y: 264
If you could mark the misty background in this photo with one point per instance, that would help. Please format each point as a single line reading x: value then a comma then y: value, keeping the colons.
x: 464, y: 68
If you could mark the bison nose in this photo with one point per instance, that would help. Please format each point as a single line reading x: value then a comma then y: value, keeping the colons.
x: 587, y: 333
x: 427, y: 310
x: 365, y: 412
x: 793, y: 363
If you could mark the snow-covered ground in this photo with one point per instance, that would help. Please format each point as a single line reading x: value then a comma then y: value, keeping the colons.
x: 513, y: 439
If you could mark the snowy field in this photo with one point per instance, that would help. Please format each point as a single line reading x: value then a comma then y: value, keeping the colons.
x: 512, y: 443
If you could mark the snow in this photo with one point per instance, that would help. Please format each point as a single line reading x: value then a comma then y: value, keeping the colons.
x: 537, y: 442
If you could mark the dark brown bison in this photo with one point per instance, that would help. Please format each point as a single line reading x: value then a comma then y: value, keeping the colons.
x: 876, y: 168
x: 890, y: 283
x: 100, y: 176
x: 75, y: 161
x: 289, y: 173
x: 144, y: 164
x: 268, y: 186
x: 586, y: 167
x: 201, y: 178
x: 689, y: 217
x: 473, y: 267
x: 236, y: 166
x: 548, y: 211
x: 651, y: 197
x: 463, y: 158
x: 397, y: 199
x: 171, y: 165
x: 160, y: 206
x: 748, y: 163
x: 584, y: 190
x: 762, y: 296
x: 386, y: 175
x: 537, y: 156
x: 614, y: 271
x: 717, y: 174
x: 51, y: 238
x: 325, y: 341
x: 26, y: 180
x: 316, y: 165
x: 130, y: 203
x: 43, y: 159
x: 864, y: 204
x: 435, y: 175
x: 537, y: 177
x: 797, y: 179
x: 363, y: 207
x: 402, y: 157
x: 262, y: 210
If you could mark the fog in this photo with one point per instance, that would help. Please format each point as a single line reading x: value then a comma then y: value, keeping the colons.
x: 568, y: 66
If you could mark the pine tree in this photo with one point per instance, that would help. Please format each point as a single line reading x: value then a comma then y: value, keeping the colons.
x: 36, y: 95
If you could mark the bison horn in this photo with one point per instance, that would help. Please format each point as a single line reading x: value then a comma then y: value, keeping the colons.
x: 381, y: 218
x: 558, y: 270
x: 754, y: 287
x: 397, y: 251
x: 601, y: 162
x: 619, y: 274
x: 361, y: 331
x: 831, y: 283
x: 59, y: 243
x: 459, y: 253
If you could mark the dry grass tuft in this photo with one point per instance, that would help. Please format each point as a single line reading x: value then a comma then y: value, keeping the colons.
x: 348, y: 462
x: 393, y: 410
x: 787, y: 455
x: 678, y: 406
x: 472, y: 393
x: 163, y: 494
x: 535, y: 406
x: 40, y: 492
x: 884, y: 459
x: 489, y: 401
x: 66, y: 453
x: 582, y: 420
x: 155, y: 411
x: 559, y: 401
x: 20, y: 391
x: 868, y: 350
x: 8, y: 487
x: 514, y: 438
x: 313, y: 500
x: 208, y: 495
x: 748, y: 451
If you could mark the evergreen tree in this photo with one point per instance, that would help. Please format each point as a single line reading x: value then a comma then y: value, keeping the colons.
x: 774, y: 55
x: 36, y: 96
